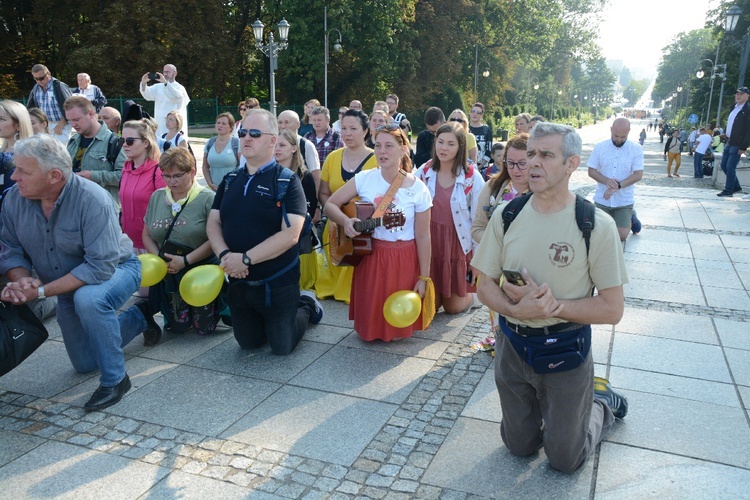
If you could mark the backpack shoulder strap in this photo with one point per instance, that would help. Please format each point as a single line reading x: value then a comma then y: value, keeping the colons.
x: 210, y: 144
x: 303, y: 150
x: 235, y: 145
x: 469, y: 182
x: 585, y: 218
x: 511, y: 210
x: 114, y: 145
x: 231, y: 176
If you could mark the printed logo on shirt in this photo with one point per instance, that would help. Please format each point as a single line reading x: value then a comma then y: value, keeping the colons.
x: 262, y: 190
x: 561, y: 254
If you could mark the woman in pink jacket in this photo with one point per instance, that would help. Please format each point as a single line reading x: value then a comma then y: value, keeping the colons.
x: 140, y: 177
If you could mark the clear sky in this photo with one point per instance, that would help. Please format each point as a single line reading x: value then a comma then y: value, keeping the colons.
x: 635, y: 31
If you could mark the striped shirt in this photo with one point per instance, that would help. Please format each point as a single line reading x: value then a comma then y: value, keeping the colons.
x: 48, y: 102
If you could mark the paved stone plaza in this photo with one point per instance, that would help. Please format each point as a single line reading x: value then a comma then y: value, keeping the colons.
x: 341, y: 418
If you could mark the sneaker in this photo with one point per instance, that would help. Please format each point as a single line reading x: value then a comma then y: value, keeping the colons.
x: 635, y: 224
x: 317, y: 306
x: 737, y: 190
x: 608, y: 396
x: 152, y: 333
x: 725, y: 194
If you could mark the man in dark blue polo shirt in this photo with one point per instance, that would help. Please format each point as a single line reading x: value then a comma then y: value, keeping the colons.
x: 257, y: 245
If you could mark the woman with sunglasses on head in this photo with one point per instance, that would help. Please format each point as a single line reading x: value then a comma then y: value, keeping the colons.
x: 175, y: 229
x: 221, y: 154
x: 454, y: 184
x: 340, y: 166
x: 288, y: 155
x: 140, y: 178
x: 460, y: 117
x: 511, y: 181
x: 399, y: 260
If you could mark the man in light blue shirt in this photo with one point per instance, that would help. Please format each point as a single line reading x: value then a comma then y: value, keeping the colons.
x: 66, y: 227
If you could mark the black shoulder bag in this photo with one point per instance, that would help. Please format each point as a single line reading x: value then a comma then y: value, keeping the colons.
x: 21, y: 333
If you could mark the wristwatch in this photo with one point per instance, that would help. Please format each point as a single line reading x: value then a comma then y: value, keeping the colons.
x: 618, y: 185
x: 40, y: 293
x: 246, y: 260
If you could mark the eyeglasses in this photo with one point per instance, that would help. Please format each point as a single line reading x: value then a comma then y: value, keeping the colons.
x: 131, y: 140
x: 175, y: 177
x: 390, y: 127
x: 459, y: 120
x: 341, y: 113
x: 521, y: 165
x: 40, y: 78
x: 253, y: 132
x: 476, y: 112
x: 243, y: 109
x: 252, y: 107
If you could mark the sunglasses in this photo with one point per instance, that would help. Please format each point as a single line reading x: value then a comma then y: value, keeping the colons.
x: 476, y: 112
x: 253, y: 132
x: 175, y: 177
x: 252, y: 107
x: 459, y: 120
x: 390, y: 127
x: 243, y: 109
x: 131, y: 140
x: 40, y: 78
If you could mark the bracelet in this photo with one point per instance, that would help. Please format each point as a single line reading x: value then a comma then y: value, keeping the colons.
x: 222, y: 254
x: 424, y: 278
x: 618, y: 185
x: 184, y: 259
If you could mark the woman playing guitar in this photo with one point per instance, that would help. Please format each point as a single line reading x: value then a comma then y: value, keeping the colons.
x: 400, y: 260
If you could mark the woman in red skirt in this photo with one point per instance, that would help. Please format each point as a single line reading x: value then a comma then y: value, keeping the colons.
x: 454, y: 183
x: 400, y: 259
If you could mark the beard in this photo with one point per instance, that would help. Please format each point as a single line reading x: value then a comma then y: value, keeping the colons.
x: 618, y: 144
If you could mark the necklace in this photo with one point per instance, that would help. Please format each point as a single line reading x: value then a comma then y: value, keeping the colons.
x: 349, y: 165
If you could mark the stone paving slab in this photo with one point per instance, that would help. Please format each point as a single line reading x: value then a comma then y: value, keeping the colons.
x: 627, y: 472
x: 180, y: 349
x: 179, y: 484
x: 484, y: 403
x: 15, y: 444
x: 474, y: 460
x: 260, y: 363
x: 364, y: 373
x: 668, y: 325
x: 66, y: 471
x: 669, y: 356
x: 195, y: 399
x: 683, y: 427
x: 312, y: 424
x: 45, y: 373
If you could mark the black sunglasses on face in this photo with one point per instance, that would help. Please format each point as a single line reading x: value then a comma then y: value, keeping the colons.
x: 253, y: 132
x: 459, y: 120
x: 131, y: 140
x: 40, y: 78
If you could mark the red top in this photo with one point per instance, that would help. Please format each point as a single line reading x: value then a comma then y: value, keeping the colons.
x: 136, y: 188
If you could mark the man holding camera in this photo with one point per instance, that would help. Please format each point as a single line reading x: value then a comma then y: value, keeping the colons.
x: 168, y: 95
x: 400, y: 118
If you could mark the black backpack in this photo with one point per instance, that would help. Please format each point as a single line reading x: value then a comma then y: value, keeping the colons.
x: 585, y: 211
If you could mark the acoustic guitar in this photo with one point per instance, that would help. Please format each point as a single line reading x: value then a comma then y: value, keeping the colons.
x: 346, y: 251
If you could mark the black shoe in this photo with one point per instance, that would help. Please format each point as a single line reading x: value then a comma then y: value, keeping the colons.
x: 737, y: 190
x: 726, y: 194
x: 105, y: 397
x: 152, y: 333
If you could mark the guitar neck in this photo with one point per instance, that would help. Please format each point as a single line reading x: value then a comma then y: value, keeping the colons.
x: 367, y: 225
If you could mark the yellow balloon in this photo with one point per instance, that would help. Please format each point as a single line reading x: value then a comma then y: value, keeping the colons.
x: 402, y: 308
x: 153, y: 269
x: 201, y: 285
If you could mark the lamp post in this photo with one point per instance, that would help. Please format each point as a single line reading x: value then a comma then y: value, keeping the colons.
x: 336, y: 48
x: 485, y: 72
x: 700, y: 73
x: 559, y: 92
x: 732, y: 18
x: 271, y: 50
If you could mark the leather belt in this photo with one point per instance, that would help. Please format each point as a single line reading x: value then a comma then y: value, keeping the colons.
x: 527, y: 331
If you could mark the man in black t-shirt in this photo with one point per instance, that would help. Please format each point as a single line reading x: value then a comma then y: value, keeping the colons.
x: 433, y: 119
x: 257, y: 243
x: 482, y: 132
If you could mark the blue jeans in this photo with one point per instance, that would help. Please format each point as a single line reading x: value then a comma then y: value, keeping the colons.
x: 698, y: 165
x: 93, y: 333
x: 729, y: 160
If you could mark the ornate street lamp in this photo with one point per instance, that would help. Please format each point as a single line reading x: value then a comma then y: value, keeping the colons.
x: 271, y: 50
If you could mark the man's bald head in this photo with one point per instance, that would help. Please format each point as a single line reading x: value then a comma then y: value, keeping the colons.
x: 170, y: 72
x: 288, y: 120
x: 620, y: 130
x: 355, y: 104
